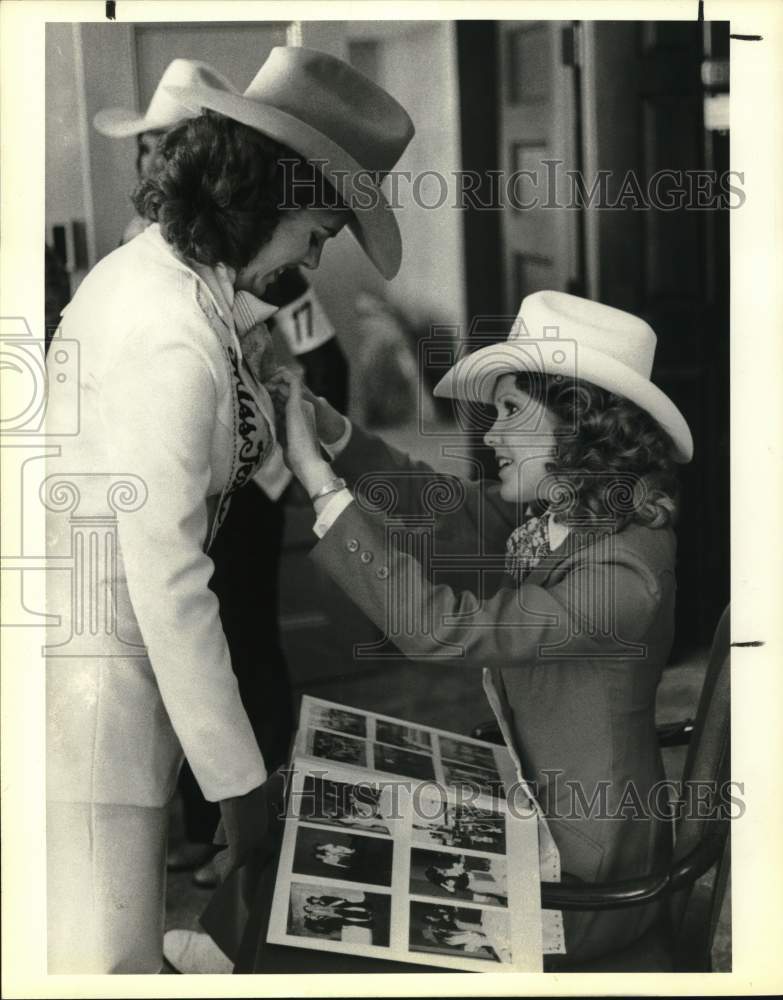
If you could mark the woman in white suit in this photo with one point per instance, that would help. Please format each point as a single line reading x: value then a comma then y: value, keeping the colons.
x: 171, y: 422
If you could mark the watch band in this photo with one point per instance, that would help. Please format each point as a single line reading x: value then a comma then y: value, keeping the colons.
x: 333, y: 486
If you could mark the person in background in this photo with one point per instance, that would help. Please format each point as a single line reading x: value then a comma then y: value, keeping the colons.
x: 58, y: 291
x: 248, y: 547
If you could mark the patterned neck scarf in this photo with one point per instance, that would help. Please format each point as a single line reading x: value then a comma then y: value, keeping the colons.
x: 526, y: 546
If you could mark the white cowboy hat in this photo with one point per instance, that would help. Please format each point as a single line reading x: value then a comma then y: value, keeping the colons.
x: 560, y: 334
x: 328, y: 113
x: 164, y: 110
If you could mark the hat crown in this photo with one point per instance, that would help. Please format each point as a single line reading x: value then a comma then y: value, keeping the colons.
x: 332, y: 115
x: 337, y: 100
x: 164, y: 111
x: 166, y: 107
x: 610, y: 331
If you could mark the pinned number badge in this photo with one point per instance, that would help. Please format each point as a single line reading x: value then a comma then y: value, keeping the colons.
x: 304, y: 323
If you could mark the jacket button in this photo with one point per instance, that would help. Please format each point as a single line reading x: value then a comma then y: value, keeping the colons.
x: 353, y: 545
x: 382, y: 572
x: 366, y: 557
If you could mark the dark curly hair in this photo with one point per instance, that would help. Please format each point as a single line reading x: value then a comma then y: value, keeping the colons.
x: 217, y: 186
x: 613, y: 462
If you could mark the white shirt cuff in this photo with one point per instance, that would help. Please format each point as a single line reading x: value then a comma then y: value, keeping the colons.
x: 336, y: 448
x: 332, y: 511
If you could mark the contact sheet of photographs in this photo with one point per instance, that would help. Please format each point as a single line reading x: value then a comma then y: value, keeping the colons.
x: 394, y: 860
x: 347, y: 735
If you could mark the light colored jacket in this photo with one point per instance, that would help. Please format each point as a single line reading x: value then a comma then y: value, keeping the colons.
x: 139, y: 668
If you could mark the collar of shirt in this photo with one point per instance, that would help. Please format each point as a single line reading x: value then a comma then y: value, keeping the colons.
x: 557, y: 532
x: 234, y: 308
x: 238, y: 309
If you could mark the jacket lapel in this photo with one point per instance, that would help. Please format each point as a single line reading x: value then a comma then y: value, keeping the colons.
x: 224, y: 335
x: 211, y: 295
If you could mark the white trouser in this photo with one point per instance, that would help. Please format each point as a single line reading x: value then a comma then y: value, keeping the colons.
x: 106, y: 887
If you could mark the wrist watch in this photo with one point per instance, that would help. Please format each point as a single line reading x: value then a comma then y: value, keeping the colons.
x: 332, y: 486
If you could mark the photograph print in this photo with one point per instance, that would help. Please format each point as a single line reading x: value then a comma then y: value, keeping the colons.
x: 485, y: 782
x: 338, y: 719
x: 395, y: 760
x: 459, y: 877
x: 343, y: 856
x: 336, y: 803
x: 407, y: 737
x: 339, y: 913
x: 461, y: 932
x: 462, y: 826
x: 335, y: 746
x: 462, y: 752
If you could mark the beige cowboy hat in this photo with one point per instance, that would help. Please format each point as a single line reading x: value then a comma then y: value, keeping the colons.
x: 330, y: 114
x: 560, y: 334
x: 164, y: 110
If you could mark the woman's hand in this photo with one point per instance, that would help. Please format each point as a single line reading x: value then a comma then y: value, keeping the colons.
x: 302, y: 446
x: 245, y: 825
x: 251, y: 825
x: 330, y: 423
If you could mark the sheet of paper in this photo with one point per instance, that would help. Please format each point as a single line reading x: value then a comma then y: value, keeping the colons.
x: 398, y: 869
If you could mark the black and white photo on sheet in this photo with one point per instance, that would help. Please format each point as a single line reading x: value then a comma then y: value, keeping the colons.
x: 342, y: 856
x: 450, y: 930
x: 459, y: 876
x: 333, y: 803
x: 462, y: 825
x: 339, y: 913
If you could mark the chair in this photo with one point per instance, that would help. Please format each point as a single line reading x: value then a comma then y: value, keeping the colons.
x: 684, y: 943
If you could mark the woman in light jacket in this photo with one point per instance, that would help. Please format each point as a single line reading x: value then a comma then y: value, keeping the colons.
x: 169, y: 421
x: 575, y: 550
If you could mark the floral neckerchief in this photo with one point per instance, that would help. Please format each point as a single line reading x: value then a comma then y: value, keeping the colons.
x: 526, y: 546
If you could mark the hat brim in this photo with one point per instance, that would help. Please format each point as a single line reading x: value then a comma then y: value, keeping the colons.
x: 474, y: 376
x: 374, y: 226
x: 119, y: 123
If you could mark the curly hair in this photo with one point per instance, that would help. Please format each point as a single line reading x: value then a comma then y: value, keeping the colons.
x: 216, y: 187
x: 613, y: 462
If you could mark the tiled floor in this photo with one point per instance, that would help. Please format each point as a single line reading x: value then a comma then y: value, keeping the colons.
x: 456, y: 702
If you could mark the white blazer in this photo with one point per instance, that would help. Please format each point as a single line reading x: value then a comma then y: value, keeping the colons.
x: 166, y: 404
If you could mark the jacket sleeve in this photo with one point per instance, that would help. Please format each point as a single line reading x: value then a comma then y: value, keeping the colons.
x: 468, y: 517
x: 158, y: 404
x: 607, y: 596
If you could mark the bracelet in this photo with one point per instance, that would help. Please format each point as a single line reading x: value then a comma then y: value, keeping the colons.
x: 333, y: 486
